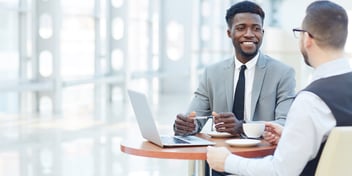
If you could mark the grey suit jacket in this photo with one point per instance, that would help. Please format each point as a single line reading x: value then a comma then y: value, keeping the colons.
x: 272, y: 94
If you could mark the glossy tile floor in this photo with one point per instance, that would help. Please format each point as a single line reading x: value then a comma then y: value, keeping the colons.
x: 83, y: 145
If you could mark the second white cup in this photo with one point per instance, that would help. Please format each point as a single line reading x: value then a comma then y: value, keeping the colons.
x: 254, y: 129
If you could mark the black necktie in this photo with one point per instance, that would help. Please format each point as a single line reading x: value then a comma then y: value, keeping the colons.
x: 238, y: 103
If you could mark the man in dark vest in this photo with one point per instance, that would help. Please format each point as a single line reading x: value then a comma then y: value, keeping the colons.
x: 318, y: 108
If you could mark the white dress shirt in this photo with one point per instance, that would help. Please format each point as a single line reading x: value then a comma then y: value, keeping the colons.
x: 249, y: 77
x: 308, y: 124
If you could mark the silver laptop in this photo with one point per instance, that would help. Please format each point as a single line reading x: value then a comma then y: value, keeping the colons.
x: 149, y: 130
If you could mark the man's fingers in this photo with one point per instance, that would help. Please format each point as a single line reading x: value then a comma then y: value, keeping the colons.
x: 181, y: 122
x: 224, y: 125
x: 185, y: 118
x: 184, y: 125
x: 181, y: 131
x: 226, y: 117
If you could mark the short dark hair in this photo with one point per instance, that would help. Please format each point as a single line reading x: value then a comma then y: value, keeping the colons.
x: 328, y: 23
x: 243, y: 7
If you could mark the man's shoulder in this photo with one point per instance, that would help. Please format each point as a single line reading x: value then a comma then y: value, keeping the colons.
x: 226, y: 63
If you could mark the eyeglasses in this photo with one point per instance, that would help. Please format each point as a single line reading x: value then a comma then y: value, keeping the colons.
x: 296, y: 33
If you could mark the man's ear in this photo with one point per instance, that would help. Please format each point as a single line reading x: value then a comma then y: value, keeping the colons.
x: 228, y: 33
x: 307, y: 40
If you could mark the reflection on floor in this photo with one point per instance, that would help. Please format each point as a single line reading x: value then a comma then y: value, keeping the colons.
x: 83, y: 145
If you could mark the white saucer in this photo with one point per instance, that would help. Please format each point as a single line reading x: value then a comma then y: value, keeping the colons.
x: 216, y: 134
x: 242, y: 142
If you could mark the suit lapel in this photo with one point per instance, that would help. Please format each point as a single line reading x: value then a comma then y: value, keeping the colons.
x: 228, y: 82
x: 260, y: 69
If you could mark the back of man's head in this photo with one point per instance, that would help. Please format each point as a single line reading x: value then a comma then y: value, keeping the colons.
x: 243, y: 7
x: 327, y: 22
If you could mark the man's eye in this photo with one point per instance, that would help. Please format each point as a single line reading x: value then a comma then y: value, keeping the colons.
x: 239, y: 28
x: 257, y: 29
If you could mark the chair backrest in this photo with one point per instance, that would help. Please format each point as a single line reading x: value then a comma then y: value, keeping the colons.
x: 336, y: 157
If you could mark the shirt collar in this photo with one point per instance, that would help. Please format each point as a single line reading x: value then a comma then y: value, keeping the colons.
x: 250, y: 64
x: 332, y: 68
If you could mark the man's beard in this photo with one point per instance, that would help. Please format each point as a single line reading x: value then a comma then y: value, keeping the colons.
x: 305, y: 56
x: 248, y: 56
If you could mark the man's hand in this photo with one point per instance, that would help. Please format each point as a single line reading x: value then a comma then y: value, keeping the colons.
x: 227, y: 122
x: 272, y: 132
x: 216, y: 157
x: 184, y: 124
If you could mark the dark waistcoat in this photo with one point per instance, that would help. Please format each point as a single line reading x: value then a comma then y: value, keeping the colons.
x: 336, y: 92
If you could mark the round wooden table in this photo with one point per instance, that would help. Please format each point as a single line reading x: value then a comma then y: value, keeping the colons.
x: 141, y: 147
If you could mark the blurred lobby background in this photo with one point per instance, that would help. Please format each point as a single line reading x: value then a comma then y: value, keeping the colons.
x: 65, y: 66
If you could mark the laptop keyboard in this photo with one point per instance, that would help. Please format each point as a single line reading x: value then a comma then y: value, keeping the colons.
x: 173, y: 140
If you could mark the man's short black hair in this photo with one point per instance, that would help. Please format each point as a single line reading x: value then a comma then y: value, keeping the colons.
x: 243, y: 7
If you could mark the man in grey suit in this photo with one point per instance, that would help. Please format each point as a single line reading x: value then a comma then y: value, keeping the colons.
x: 269, y: 84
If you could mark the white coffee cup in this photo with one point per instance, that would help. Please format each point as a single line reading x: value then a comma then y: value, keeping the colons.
x: 254, y: 129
